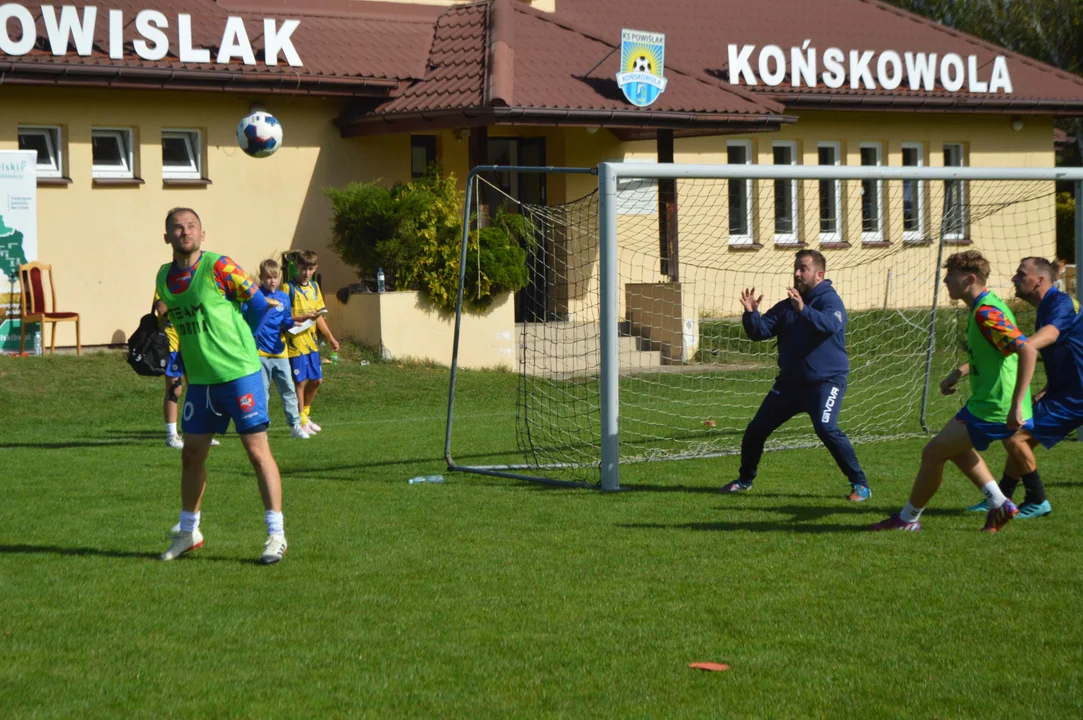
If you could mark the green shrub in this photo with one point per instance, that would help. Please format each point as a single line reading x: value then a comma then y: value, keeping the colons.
x: 414, y: 231
x: 1065, y: 227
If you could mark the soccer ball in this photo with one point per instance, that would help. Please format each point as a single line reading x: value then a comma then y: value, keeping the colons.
x: 259, y: 134
x: 641, y: 64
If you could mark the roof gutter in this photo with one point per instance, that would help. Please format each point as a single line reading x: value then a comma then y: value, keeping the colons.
x: 56, y: 74
x: 630, y: 119
x: 802, y: 101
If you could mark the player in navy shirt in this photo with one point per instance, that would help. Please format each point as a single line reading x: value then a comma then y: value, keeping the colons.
x: 1058, y: 407
x: 813, y: 366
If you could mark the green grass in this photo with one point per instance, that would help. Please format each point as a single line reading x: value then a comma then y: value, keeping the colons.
x: 490, y: 598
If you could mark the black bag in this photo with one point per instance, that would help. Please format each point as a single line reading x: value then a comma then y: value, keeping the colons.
x: 148, y: 348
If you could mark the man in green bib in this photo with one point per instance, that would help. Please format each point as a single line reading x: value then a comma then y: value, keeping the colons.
x: 1001, y: 364
x: 203, y: 293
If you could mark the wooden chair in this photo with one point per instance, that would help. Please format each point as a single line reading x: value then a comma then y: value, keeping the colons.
x: 34, y: 308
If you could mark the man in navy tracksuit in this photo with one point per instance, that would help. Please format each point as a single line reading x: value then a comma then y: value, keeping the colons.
x: 811, y: 329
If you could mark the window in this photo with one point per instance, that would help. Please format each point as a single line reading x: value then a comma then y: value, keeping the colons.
x: 955, y: 224
x: 872, y: 197
x: 785, y: 153
x: 112, y: 152
x: 422, y: 154
x: 739, y: 152
x: 913, y: 155
x: 182, y: 155
x: 46, y: 142
x: 830, y: 195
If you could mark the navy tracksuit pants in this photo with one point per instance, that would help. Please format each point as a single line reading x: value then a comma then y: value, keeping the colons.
x: 822, y: 402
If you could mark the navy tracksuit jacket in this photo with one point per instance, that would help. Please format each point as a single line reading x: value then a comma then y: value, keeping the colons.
x: 813, y: 366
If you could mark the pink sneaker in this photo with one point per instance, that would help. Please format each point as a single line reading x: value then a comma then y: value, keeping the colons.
x: 997, y: 519
x: 895, y: 522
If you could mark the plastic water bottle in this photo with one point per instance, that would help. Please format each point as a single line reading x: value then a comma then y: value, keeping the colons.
x: 334, y: 358
x: 426, y: 479
x: 379, y: 280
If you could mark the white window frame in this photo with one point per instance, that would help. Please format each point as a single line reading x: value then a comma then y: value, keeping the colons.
x: 789, y: 238
x: 125, y: 137
x: 836, y: 236
x: 878, y: 235
x: 919, y: 235
x: 749, y: 237
x: 193, y: 141
x: 53, y: 137
x: 965, y: 234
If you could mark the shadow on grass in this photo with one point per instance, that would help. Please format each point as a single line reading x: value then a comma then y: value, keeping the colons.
x: 97, y: 552
x: 801, y: 519
x: 68, y: 445
x: 748, y: 526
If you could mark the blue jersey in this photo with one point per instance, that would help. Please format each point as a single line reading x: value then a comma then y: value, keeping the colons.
x: 811, y: 343
x: 1064, y: 358
x: 278, y: 320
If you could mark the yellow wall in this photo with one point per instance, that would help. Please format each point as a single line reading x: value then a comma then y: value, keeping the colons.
x: 106, y: 243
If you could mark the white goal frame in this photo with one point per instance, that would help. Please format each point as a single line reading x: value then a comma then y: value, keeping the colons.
x: 608, y: 176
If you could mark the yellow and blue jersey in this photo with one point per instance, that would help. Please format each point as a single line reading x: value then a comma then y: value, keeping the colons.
x: 166, y: 326
x: 305, y: 298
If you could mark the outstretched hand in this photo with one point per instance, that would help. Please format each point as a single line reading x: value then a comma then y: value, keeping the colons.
x: 749, y: 300
x: 795, y: 299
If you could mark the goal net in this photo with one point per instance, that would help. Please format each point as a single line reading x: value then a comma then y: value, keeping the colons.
x: 631, y: 345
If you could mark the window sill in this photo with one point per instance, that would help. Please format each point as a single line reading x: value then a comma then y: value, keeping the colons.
x: 835, y: 245
x: 53, y: 181
x: 119, y: 182
x: 875, y: 243
x: 745, y: 247
x: 959, y: 241
x: 790, y: 244
x: 918, y: 242
x: 185, y: 182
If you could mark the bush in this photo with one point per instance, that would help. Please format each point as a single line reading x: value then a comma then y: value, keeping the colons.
x: 414, y: 231
x: 1066, y: 227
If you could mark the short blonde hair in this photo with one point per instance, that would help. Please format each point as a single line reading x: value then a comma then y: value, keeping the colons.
x: 309, y: 258
x: 269, y: 268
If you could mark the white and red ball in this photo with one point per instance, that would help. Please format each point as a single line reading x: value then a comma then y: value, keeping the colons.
x: 259, y: 134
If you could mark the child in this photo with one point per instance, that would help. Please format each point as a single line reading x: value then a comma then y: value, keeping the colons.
x: 174, y: 371
x: 307, y: 301
x: 272, y: 348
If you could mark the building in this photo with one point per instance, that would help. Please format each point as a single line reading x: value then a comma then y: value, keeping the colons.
x: 133, y: 108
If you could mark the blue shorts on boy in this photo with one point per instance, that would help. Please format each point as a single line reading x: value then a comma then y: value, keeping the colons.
x: 175, y: 367
x: 1055, y: 417
x: 209, y: 408
x: 984, y: 433
x: 306, y: 367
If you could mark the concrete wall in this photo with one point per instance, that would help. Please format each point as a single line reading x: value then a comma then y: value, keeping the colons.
x: 407, y: 326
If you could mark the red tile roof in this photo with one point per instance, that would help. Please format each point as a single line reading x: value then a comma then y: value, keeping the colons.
x: 699, y: 31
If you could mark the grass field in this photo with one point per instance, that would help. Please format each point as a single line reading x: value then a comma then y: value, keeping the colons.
x: 490, y: 598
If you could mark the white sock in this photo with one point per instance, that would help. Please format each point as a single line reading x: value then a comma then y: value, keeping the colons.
x: 274, y: 523
x: 170, y: 429
x: 993, y: 495
x: 910, y: 513
x: 189, y: 521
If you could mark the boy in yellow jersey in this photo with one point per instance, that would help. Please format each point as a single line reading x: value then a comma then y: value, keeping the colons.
x: 304, y: 353
x: 271, y: 345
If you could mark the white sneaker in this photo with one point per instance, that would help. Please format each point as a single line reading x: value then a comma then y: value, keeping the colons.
x: 174, y: 441
x: 182, y: 543
x: 312, y: 427
x: 273, y: 549
x: 299, y: 432
x: 214, y: 442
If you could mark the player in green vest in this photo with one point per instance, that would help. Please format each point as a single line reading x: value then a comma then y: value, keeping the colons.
x: 1001, y: 365
x: 203, y: 293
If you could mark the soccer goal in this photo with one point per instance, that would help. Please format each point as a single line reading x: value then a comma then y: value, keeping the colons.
x: 630, y: 342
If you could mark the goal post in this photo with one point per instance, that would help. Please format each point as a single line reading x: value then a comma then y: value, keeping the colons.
x: 640, y: 354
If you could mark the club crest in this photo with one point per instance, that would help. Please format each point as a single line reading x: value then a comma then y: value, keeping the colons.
x: 642, y: 59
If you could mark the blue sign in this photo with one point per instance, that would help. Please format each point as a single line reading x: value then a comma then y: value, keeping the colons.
x: 642, y: 58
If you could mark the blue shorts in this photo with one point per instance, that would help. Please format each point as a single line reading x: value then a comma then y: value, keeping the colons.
x: 1055, y: 417
x: 209, y: 408
x: 306, y: 367
x: 984, y: 433
x: 175, y: 367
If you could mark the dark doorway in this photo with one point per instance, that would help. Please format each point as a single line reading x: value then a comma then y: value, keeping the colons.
x: 532, y: 302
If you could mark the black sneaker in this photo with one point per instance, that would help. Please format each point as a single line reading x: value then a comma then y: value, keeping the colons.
x: 737, y: 486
